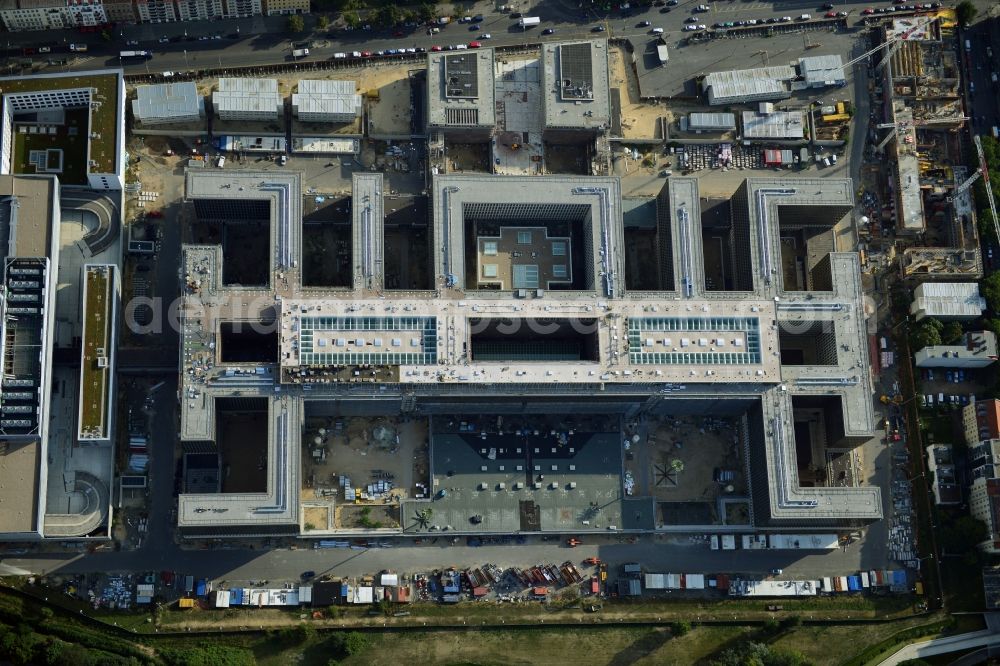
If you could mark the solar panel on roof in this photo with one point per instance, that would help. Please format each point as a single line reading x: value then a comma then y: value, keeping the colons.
x: 576, y: 71
x: 461, y: 76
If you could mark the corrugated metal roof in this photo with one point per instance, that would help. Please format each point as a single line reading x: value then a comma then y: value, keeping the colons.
x: 776, y: 125
x: 167, y: 100
x: 819, y: 70
x: 759, y: 83
x: 256, y: 95
x: 712, y: 121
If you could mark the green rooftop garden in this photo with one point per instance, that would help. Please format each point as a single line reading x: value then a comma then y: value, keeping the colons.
x: 103, y: 117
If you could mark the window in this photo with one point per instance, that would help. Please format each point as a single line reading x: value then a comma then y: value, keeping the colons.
x: 558, y: 248
x: 489, y: 270
x: 524, y: 238
x: 559, y: 271
x: 490, y: 248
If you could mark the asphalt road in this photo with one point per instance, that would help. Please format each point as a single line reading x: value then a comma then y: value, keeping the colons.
x: 983, y: 92
x: 674, y: 555
x: 265, y: 40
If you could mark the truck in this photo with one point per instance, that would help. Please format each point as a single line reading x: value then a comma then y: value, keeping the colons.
x: 661, y: 52
x: 300, y: 53
x: 78, y: 48
x: 526, y: 22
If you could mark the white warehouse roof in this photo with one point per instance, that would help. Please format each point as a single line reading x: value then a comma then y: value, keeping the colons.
x: 826, y: 70
x: 959, y: 300
x: 247, y: 95
x: 712, y: 121
x: 167, y: 100
x: 752, y: 84
x: 338, y: 97
x: 776, y: 125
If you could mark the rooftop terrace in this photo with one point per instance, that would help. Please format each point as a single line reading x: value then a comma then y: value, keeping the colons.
x: 104, y: 130
x: 96, y: 365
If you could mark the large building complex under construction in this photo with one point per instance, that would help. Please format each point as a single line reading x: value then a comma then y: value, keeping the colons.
x: 923, y: 105
x: 530, y: 312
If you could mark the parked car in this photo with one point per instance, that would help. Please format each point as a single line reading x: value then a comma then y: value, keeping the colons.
x: 549, y: 31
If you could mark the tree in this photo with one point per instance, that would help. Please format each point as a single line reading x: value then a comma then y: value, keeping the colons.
x: 352, y: 20
x: 296, y: 23
x: 389, y: 15
x: 427, y: 12
x: 322, y: 22
x: 926, y: 333
x: 966, y: 12
x: 963, y: 535
x: 680, y: 627
x: 758, y: 654
x: 213, y: 655
x: 952, y: 333
x: 990, y: 289
x: 355, y: 643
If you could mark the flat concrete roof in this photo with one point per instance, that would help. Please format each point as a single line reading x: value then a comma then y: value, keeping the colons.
x: 581, y: 489
x: 461, y: 89
x: 575, y: 85
x: 630, y: 330
x: 33, y: 214
x: 19, y: 487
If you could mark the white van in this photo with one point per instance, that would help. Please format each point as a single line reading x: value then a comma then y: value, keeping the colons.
x: 833, y: 158
x: 221, y: 162
x: 657, y: 31
x: 338, y: 56
x: 805, y: 17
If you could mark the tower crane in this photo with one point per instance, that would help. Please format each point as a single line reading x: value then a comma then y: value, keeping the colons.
x: 915, y: 123
x: 986, y: 181
x: 968, y: 182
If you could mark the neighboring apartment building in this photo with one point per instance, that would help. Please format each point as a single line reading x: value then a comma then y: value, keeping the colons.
x: 981, y: 421
x: 23, y: 15
x: 200, y: 10
x: 156, y: 11
x: 243, y: 8
x: 275, y: 7
x: 976, y: 349
x: 984, y: 491
x: 120, y: 11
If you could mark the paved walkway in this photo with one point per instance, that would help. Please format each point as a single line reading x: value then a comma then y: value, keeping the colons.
x: 938, y: 646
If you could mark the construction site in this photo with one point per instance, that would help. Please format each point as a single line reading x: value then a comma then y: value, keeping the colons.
x: 931, y: 220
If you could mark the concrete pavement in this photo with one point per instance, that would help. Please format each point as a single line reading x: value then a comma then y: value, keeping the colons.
x: 657, y: 554
x: 938, y: 646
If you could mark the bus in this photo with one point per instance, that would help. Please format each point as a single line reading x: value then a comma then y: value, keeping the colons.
x: 135, y: 55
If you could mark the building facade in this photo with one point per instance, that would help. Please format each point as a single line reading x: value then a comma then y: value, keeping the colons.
x: 200, y: 10
x: 277, y: 7
x: 25, y: 15
x: 981, y: 421
x: 156, y: 11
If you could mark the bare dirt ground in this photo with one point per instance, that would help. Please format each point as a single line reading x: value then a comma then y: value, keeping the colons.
x: 365, y: 450
x: 684, y: 454
x: 390, y: 113
x: 639, y: 119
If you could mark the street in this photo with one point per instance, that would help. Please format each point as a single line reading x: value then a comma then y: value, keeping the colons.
x: 239, y: 565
